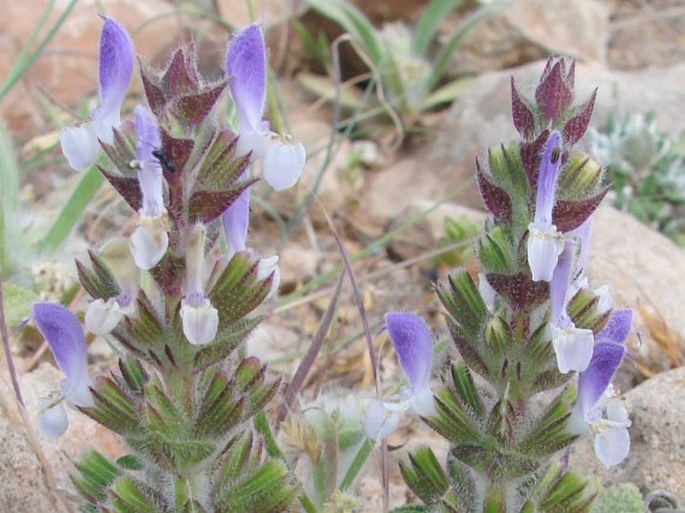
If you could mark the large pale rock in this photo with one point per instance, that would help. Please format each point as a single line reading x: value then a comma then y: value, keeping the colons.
x: 645, y: 271
x: 646, y: 34
x: 657, y: 453
x: 481, y: 117
x: 23, y: 487
x: 423, y: 236
x: 526, y: 30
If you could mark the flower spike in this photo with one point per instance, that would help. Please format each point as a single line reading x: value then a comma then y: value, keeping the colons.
x: 80, y: 143
x: 545, y: 242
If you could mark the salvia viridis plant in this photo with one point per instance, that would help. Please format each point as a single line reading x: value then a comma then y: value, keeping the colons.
x: 538, y: 347
x: 179, y: 295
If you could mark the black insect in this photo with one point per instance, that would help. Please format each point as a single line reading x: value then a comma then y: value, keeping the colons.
x: 164, y: 161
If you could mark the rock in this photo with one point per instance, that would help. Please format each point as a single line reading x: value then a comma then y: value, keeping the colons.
x: 530, y: 30
x: 647, y: 34
x: 642, y: 269
x: 23, y: 487
x: 270, y: 341
x: 387, y: 192
x: 481, y: 117
x: 657, y: 453
x: 298, y: 264
x: 424, y: 236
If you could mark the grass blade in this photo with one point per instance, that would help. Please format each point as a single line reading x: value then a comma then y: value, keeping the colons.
x: 72, y: 212
x: 9, y: 194
x: 312, y: 352
x: 25, y: 60
x: 353, y: 22
x: 427, y: 26
x: 455, y: 39
x: 357, y: 464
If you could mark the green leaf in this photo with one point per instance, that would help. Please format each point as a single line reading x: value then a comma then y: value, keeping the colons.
x: 72, y: 211
x: 447, y: 93
x: 428, y: 24
x: 268, y: 490
x: 96, y: 473
x: 355, y: 23
x: 357, y: 464
x: 450, y: 47
x: 425, y: 476
x: 130, y: 462
x: 10, y: 244
x: 131, y: 496
x: 349, y: 98
x: 466, y: 390
x: 624, y: 497
x: 17, y: 303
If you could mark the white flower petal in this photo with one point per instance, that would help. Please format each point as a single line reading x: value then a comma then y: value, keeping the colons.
x: 422, y: 403
x: 252, y: 141
x: 487, y: 293
x: 80, y: 145
x: 265, y: 267
x: 544, y: 247
x: 379, y: 422
x: 200, y: 323
x: 283, y: 163
x: 104, y: 122
x: 605, y: 302
x: 612, y: 445
x: 617, y: 413
x: 103, y: 316
x: 76, y: 390
x: 51, y: 422
x: 149, y: 241
x: 573, y: 348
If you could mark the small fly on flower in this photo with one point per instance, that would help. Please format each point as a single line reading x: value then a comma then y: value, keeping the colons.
x: 164, y: 161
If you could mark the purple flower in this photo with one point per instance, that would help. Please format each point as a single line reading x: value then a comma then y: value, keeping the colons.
x: 598, y: 410
x: 545, y: 242
x: 414, y: 347
x: 235, y: 221
x: 573, y: 346
x: 80, y: 143
x: 67, y: 343
x: 200, y: 319
x: 150, y: 240
x: 246, y: 68
x: 103, y: 315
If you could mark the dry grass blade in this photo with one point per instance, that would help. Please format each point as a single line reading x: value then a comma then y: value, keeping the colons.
x: 312, y: 352
x: 358, y: 299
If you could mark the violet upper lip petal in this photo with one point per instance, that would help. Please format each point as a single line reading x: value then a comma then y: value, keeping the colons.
x: 246, y: 68
x: 545, y: 242
x: 414, y: 346
x: 80, y: 144
x: 67, y: 343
